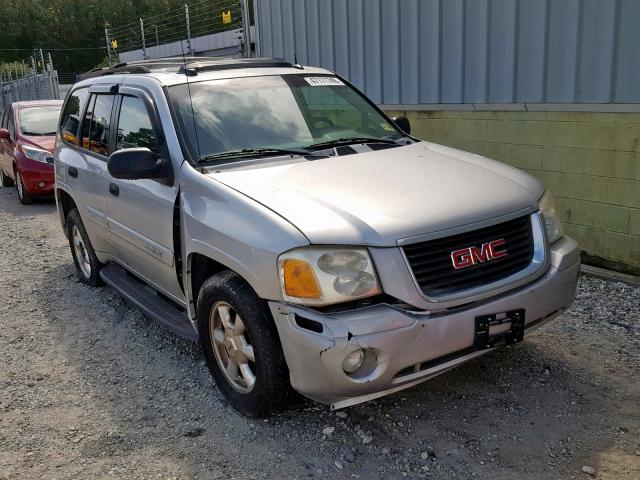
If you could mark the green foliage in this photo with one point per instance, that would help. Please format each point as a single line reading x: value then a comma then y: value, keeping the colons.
x: 14, y: 69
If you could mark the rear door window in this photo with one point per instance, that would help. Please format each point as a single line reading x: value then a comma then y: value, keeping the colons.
x: 135, y: 128
x: 70, y: 118
x: 96, y: 124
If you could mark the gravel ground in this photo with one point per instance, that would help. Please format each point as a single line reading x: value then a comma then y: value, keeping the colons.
x: 90, y: 388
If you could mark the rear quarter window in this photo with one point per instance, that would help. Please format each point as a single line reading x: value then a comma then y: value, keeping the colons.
x: 70, y: 118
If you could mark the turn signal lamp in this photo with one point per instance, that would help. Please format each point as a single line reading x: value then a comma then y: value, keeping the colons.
x: 299, y: 279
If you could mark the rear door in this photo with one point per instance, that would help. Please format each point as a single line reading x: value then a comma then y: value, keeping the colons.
x: 141, y: 212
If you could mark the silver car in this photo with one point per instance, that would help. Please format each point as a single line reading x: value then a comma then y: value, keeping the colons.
x: 306, y: 240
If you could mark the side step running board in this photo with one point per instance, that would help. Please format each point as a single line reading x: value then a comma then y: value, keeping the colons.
x: 146, y: 299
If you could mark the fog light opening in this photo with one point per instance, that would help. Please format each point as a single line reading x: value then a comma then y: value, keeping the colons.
x: 353, y: 361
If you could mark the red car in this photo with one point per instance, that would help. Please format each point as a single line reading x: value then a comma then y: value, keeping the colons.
x: 27, y: 141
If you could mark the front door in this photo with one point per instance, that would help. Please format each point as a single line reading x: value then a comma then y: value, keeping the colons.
x: 7, y: 144
x: 3, y: 141
x: 85, y: 164
x: 141, y: 212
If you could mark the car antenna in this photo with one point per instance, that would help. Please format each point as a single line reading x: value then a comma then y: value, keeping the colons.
x: 187, y: 74
x: 295, y: 60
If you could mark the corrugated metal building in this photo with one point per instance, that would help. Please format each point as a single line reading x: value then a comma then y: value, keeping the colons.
x: 527, y: 82
x: 464, y: 51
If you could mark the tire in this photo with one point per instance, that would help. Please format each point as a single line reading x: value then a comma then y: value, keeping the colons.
x: 24, y: 196
x: 6, y: 181
x: 271, y: 390
x: 84, y: 256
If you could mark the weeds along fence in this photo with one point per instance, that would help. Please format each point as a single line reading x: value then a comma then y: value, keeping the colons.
x: 29, y: 84
x: 198, y: 27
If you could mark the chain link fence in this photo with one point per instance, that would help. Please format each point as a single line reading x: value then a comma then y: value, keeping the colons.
x: 30, y: 84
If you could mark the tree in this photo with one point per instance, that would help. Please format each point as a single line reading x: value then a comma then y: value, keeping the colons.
x: 71, y: 30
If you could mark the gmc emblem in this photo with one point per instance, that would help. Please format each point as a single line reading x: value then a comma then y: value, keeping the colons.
x: 466, y: 257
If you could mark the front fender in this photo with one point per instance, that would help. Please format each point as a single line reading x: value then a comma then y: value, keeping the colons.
x: 235, y: 231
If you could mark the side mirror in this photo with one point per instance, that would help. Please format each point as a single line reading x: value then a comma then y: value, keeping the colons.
x: 403, y: 124
x: 136, y: 164
x: 4, y: 133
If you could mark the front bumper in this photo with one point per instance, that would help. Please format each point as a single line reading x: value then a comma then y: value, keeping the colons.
x: 38, y: 177
x: 410, y: 347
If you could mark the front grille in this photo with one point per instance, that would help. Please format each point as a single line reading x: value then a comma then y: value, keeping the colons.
x: 433, y: 269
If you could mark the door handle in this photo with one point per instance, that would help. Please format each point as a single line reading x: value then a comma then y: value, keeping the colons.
x: 114, y: 189
x: 73, y: 172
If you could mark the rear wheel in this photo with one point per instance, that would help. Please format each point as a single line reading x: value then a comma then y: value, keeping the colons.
x: 24, y: 196
x: 241, y: 346
x: 6, y: 181
x: 84, y: 257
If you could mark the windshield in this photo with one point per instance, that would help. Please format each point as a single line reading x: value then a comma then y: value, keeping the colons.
x: 39, y: 120
x: 281, y: 112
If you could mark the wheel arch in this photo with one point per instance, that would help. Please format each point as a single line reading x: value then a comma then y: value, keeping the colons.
x: 65, y: 203
x: 200, y: 267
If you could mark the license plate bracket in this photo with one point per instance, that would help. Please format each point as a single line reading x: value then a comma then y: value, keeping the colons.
x: 483, y: 324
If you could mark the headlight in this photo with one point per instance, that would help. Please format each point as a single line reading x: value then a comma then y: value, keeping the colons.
x: 37, y: 154
x: 323, y: 276
x: 547, y: 206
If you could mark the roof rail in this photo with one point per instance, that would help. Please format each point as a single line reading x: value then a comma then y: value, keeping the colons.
x: 210, y: 64
x: 187, y: 65
x: 120, y: 68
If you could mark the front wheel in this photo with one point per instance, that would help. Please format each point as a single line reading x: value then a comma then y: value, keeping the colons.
x: 24, y: 196
x: 241, y: 346
x: 84, y: 256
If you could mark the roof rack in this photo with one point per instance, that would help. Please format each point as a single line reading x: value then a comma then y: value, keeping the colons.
x: 209, y: 65
x: 187, y: 65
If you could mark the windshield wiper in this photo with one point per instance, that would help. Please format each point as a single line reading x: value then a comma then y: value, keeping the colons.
x: 37, y: 134
x: 347, y: 141
x: 248, y: 152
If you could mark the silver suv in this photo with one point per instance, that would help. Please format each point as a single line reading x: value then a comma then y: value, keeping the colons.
x: 274, y: 214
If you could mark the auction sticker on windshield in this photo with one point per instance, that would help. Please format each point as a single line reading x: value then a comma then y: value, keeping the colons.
x: 323, y: 81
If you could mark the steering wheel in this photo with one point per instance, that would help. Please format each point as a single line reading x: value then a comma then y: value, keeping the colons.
x: 319, y: 121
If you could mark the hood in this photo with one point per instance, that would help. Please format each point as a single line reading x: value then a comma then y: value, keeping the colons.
x: 45, y: 142
x: 378, y: 198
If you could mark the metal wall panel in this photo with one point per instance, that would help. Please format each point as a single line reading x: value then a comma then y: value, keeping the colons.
x: 429, y: 44
x: 452, y: 46
x: 503, y: 25
x: 532, y: 35
x: 476, y: 36
x: 408, y: 52
x: 626, y: 72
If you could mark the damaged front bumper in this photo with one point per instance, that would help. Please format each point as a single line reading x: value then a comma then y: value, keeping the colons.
x: 407, y: 347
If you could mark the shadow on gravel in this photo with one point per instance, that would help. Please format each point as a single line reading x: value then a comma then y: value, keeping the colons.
x: 522, y: 412
x: 12, y: 204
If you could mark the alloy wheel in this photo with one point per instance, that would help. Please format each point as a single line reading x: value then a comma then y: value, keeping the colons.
x: 82, y: 256
x: 19, y: 185
x: 233, y: 351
